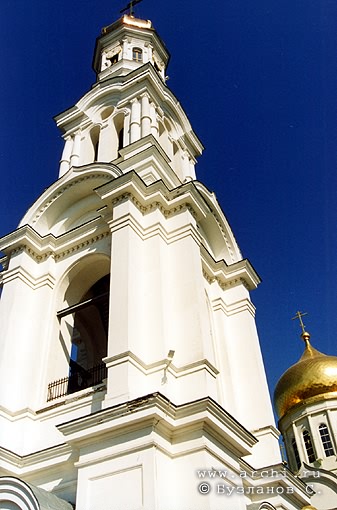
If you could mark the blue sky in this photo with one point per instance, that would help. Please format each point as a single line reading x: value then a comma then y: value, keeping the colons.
x: 258, y: 82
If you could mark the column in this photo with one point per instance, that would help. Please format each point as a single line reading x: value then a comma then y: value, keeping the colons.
x: 65, y: 159
x: 75, y: 155
x: 185, y: 166
x: 154, y: 121
x: 191, y: 175
x: 145, y: 117
x: 135, y: 120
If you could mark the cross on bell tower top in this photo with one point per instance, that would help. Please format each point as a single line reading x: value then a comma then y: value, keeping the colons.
x: 130, y: 7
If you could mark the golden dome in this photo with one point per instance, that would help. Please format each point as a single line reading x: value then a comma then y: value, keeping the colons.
x: 313, y: 377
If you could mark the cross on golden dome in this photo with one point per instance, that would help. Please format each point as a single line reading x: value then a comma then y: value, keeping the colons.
x: 299, y: 316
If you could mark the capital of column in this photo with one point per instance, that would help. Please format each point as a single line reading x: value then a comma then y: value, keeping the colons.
x: 145, y: 95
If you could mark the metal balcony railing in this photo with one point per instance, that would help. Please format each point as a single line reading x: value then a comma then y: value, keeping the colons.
x: 79, y: 378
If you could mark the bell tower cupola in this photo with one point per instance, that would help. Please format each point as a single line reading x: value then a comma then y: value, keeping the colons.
x: 130, y: 110
x: 126, y: 45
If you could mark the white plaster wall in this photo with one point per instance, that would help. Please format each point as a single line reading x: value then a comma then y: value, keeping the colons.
x: 25, y: 308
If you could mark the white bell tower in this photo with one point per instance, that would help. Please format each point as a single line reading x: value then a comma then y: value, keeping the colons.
x: 135, y: 361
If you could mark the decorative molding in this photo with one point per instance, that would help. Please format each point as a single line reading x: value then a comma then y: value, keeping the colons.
x: 146, y: 209
x: 156, y: 229
x: 243, y: 305
x: 24, y: 248
x: 41, y: 248
x: 4, y: 261
x: 25, y: 461
x: 167, y: 212
x: 238, y: 273
x: 28, y: 279
x: 156, y: 408
x: 64, y: 188
x: 223, y: 232
x: 231, y: 282
x: 152, y: 368
x: 82, y: 245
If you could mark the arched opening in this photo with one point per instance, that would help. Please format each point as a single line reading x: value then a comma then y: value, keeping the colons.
x: 94, y: 136
x: 83, y: 334
x: 121, y: 139
x: 114, y: 59
x: 164, y: 139
x: 177, y: 160
x: 119, y: 127
x: 89, y: 336
x: 309, y: 446
x: 326, y: 440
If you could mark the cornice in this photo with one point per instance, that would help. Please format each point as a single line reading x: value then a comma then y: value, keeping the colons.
x: 40, y: 248
x: 161, y: 365
x: 312, y: 408
x: 176, y: 419
x: 28, y: 279
x: 157, y: 229
x: 81, y: 245
x: 20, y: 463
x: 145, y: 155
x: 238, y: 273
x: 153, y: 196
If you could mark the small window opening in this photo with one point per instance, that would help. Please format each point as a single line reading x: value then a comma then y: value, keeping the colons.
x: 137, y: 54
x: 309, y: 446
x: 114, y: 59
x: 295, y: 452
x: 326, y: 440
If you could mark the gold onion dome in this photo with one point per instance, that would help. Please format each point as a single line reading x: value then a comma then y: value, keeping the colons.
x: 312, y: 378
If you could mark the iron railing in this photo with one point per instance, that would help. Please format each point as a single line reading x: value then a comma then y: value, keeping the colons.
x: 79, y: 378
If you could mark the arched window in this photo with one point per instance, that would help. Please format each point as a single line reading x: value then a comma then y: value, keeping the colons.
x: 295, y: 452
x: 137, y: 54
x: 87, y: 323
x: 326, y: 440
x: 118, y: 134
x: 309, y: 446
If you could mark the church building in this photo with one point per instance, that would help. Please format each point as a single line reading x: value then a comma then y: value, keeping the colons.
x: 134, y: 378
